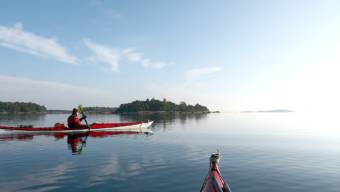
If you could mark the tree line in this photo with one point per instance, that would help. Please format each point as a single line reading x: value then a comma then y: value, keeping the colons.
x: 21, y: 107
x: 155, y: 105
x: 149, y: 105
x: 100, y: 110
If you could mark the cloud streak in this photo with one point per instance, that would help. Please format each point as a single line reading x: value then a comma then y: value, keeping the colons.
x: 114, y: 56
x: 18, y: 39
x: 55, y: 95
x: 135, y: 57
x: 200, y: 73
x: 104, y: 54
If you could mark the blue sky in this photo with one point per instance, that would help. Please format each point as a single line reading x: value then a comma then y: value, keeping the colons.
x: 228, y: 55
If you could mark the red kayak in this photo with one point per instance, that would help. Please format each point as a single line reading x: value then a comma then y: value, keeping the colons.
x: 60, y: 128
x: 214, y: 182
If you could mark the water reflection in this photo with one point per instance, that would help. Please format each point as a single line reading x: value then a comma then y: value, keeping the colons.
x: 16, y: 117
x: 76, y: 141
x: 260, y: 152
x: 47, y: 180
x: 164, y: 119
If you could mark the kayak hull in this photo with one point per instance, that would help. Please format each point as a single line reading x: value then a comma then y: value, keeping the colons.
x: 214, y: 182
x: 95, y: 127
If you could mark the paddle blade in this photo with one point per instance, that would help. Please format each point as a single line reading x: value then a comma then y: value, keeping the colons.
x: 80, y: 108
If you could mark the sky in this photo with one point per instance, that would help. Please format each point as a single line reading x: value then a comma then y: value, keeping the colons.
x: 226, y: 55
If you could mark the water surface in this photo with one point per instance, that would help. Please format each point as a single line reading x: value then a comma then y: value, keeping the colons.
x: 259, y: 152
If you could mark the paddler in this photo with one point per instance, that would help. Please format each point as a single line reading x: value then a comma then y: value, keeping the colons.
x: 73, y: 121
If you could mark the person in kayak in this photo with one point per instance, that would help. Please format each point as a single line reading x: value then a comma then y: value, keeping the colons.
x: 73, y: 121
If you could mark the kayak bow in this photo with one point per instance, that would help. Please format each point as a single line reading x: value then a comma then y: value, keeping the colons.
x: 214, y: 182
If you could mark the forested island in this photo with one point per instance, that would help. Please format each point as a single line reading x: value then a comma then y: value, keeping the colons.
x: 21, y: 108
x: 154, y: 105
x: 147, y: 106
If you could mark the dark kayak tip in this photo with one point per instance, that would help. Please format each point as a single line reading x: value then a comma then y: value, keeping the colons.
x: 214, y: 182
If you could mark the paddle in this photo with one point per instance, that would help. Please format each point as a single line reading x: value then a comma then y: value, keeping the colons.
x: 81, y: 110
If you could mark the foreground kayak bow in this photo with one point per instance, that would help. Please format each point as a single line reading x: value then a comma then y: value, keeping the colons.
x: 214, y: 182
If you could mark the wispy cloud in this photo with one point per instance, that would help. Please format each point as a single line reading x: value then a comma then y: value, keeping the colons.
x: 136, y: 57
x: 132, y: 56
x: 147, y: 63
x: 104, y: 54
x: 113, y: 56
x: 199, y: 73
x: 54, y: 94
x: 18, y: 39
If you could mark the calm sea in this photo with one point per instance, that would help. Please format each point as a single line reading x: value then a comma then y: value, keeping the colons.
x: 259, y: 152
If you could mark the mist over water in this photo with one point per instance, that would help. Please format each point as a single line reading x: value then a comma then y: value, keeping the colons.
x: 259, y: 152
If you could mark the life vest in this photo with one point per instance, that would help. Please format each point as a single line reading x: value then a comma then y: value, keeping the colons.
x: 73, y: 122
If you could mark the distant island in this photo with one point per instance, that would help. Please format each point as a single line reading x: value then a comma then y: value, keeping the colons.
x: 270, y: 111
x: 21, y: 108
x: 276, y: 111
x: 247, y: 111
x: 157, y: 106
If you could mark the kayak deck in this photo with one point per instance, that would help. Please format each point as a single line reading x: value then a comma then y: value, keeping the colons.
x: 214, y: 182
x: 93, y: 127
